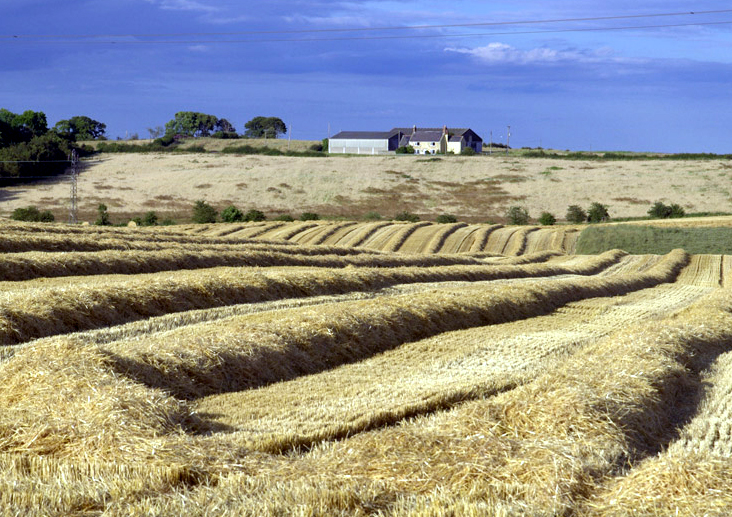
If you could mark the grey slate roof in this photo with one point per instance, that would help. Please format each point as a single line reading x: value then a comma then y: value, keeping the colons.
x: 363, y: 135
x: 426, y: 136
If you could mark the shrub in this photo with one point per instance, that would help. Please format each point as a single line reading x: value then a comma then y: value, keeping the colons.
x: 309, y: 216
x: 32, y: 214
x: 547, y: 219
x: 517, y: 215
x: 232, y: 214
x: 203, y: 213
x: 407, y: 149
x: 103, y: 219
x: 316, y: 147
x: 225, y: 135
x: 149, y: 219
x: 575, y: 214
x: 446, y: 219
x: 167, y: 222
x: 661, y: 211
x: 597, y: 213
x: 406, y: 216
x: 372, y: 216
x: 468, y: 151
x: 254, y: 216
x: 285, y: 217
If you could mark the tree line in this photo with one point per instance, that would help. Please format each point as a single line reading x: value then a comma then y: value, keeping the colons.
x: 29, y: 148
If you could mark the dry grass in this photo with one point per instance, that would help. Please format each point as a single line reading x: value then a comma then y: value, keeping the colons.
x: 480, y: 188
x: 536, y: 384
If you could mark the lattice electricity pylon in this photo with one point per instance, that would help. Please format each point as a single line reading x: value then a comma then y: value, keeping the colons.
x: 73, y: 208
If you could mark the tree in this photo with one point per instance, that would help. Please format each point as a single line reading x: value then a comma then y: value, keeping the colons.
x: 191, y: 123
x: 597, y: 213
x: 103, y: 219
x: 232, y: 214
x: 254, y: 216
x: 15, y: 129
x: 517, y: 215
x: 575, y: 214
x: 446, y: 219
x: 263, y: 127
x: 203, y: 212
x: 150, y: 219
x: 547, y: 219
x: 406, y: 216
x: 225, y: 126
x: 80, y: 128
x: 661, y: 211
x: 32, y: 214
x: 309, y: 216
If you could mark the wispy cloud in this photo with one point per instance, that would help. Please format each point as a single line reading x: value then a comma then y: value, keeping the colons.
x: 184, y: 5
x: 502, y: 53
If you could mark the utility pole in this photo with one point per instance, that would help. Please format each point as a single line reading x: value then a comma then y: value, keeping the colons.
x: 508, y: 137
x: 289, y: 137
x: 74, y: 158
x: 490, y: 147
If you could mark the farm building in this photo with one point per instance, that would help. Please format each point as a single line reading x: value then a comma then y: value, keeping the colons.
x: 423, y: 140
x: 364, y: 142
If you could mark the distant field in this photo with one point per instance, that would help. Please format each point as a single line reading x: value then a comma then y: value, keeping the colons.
x: 201, y: 370
x: 655, y: 239
x: 475, y: 189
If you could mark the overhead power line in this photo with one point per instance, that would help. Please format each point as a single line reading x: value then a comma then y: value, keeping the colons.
x: 69, y: 38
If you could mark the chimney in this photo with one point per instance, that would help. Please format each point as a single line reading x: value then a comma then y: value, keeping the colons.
x: 444, y: 130
x: 414, y: 129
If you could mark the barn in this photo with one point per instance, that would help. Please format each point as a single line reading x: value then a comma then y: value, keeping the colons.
x: 364, y: 142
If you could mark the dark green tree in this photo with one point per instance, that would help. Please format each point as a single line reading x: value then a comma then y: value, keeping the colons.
x: 517, y: 215
x: 32, y: 214
x: 191, y: 123
x: 446, y: 219
x: 203, y: 212
x: 547, y: 219
x: 103, y: 218
x: 254, y: 216
x: 232, y: 214
x: 576, y: 214
x: 265, y: 127
x: 597, y: 213
x: 80, y: 128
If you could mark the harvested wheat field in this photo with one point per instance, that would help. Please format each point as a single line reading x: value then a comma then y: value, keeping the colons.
x: 474, y: 189
x: 342, y: 369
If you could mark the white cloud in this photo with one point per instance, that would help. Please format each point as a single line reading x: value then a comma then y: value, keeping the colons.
x: 502, y: 53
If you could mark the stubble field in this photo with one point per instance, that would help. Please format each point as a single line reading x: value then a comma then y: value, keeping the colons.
x: 211, y: 371
x: 475, y: 189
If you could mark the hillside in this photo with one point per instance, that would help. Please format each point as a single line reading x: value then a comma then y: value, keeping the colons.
x: 151, y: 372
x: 475, y: 189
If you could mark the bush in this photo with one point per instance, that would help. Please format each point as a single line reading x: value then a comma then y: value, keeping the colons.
x: 285, y: 217
x: 661, y: 211
x: 167, y: 222
x: 517, y: 215
x: 232, y: 214
x: 203, y: 213
x: 149, y: 219
x: 225, y: 135
x: 575, y: 214
x: 309, y: 216
x: 406, y: 216
x: 372, y: 216
x: 446, y: 219
x: 468, y: 151
x: 32, y: 214
x: 597, y: 213
x: 547, y: 219
x: 407, y: 149
x: 254, y: 216
x: 103, y: 219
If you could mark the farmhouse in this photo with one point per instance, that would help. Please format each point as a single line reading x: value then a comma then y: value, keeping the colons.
x: 423, y: 140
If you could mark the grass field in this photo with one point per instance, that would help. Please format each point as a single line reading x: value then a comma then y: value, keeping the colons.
x: 475, y: 189
x: 481, y: 370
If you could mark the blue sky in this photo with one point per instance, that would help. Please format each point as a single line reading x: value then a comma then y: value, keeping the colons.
x: 642, y: 89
